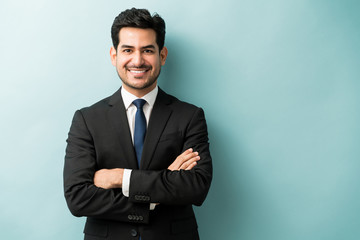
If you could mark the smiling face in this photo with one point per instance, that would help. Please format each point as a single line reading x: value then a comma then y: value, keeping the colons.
x: 138, y: 60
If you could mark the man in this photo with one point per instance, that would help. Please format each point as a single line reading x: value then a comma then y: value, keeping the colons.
x: 138, y: 160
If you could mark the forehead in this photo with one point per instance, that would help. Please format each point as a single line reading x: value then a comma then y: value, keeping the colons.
x: 137, y: 37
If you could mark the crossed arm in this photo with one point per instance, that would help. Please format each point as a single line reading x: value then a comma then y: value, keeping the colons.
x: 98, y: 193
x: 112, y: 178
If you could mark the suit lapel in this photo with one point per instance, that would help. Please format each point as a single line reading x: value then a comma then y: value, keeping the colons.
x: 118, y: 117
x: 158, y: 119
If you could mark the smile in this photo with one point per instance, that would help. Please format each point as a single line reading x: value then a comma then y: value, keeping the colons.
x: 137, y: 71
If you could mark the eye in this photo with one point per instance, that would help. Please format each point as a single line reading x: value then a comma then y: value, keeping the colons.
x: 126, y: 50
x: 148, y: 51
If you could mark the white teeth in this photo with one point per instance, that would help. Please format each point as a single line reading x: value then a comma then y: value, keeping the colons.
x: 133, y: 71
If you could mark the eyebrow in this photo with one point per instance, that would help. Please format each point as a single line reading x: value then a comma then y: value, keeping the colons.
x: 145, y: 47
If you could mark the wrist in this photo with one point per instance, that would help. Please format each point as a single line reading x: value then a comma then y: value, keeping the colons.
x: 117, y: 177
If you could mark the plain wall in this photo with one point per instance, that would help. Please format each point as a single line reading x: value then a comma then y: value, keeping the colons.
x: 279, y: 83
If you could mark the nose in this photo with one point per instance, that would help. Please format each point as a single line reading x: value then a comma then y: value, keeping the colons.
x: 137, y: 59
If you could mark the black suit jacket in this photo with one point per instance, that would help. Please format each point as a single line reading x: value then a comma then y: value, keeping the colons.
x: 100, y: 138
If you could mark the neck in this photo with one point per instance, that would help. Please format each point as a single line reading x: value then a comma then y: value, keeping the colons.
x: 139, y: 92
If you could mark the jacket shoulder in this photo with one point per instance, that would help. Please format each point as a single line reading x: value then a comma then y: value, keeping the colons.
x: 177, y: 103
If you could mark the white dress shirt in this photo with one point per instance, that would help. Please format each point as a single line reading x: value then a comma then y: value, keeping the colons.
x: 131, y: 109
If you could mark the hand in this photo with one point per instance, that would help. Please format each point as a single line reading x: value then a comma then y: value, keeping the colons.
x: 109, y: 178
x: 186, y: 161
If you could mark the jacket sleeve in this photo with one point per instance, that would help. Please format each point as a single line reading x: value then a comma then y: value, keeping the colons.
x: 82, y: 196
x: 178, y: 187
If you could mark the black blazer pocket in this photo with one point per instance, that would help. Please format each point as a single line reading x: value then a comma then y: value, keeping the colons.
x: 183, y: 226
x: 95, y: 228
x: 171, y: 136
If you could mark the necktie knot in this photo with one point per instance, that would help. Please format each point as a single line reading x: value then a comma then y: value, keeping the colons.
x: 139, y: 103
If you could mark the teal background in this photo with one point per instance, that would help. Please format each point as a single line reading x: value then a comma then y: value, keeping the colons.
x: 279, y: 83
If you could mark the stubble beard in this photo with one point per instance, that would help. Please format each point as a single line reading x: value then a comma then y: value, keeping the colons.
x: 147, y: 84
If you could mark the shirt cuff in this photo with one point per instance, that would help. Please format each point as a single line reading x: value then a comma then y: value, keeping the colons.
x: 126, y: 182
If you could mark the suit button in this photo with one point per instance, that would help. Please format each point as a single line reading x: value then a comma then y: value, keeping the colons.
x: 133, y: 232
x: 141, y: 218
x: 130, y: 217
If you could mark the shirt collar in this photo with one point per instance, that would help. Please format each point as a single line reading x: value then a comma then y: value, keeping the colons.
x: 128, y: 98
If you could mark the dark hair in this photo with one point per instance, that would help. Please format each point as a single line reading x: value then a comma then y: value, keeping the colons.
x: 138, y: 18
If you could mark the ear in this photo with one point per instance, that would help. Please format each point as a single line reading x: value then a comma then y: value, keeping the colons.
x: 163, y: 55
x: 113, y: 56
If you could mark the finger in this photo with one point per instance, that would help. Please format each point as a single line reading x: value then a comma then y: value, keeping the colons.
x: 191, y: 166
x: 185, y: 153
x: 189, y: 162
x: 189, y: 156
x: 185, y: 156
x: 183, y: 161
x: 189, y: 150
x: 182, y: 158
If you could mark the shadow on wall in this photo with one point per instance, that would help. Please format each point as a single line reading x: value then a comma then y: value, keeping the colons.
x: 190, y: 74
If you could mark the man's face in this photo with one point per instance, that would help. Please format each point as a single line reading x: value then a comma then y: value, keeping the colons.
x: 137, y: 59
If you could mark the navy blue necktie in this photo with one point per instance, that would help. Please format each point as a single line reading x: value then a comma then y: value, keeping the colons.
x: 140, y: 128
